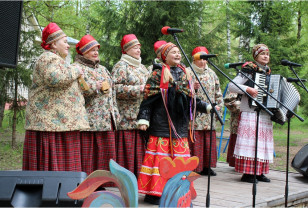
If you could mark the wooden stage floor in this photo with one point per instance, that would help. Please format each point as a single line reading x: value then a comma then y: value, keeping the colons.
x: 226, y: 190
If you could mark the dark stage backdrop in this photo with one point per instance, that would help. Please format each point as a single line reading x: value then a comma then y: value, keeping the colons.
x: 10, y: 19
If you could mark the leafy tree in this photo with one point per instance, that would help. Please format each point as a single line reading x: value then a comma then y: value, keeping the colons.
x: 277, y: 24
x: 67, y: 14
x: 109, y: 21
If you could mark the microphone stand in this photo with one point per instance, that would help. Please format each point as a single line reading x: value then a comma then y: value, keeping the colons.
x: 289, y: 115
x: 301, y: 83
x: 213, y: 110
x: 257, y: 109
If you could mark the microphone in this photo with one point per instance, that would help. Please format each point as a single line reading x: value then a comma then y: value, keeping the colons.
x: 289, y: 63
x: 167, y: 30
x: 204, y: 56
x: 289, y: 79
x: 234, y: 65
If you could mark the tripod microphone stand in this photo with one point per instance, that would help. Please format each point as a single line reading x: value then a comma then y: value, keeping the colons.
x: 213, y: 110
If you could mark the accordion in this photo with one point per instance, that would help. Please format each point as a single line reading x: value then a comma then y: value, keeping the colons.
x: 282, y: 91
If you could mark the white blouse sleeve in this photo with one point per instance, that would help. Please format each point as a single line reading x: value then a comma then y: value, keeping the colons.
x: 239, y: 80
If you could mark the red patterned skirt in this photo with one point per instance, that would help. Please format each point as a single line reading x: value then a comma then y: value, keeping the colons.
x: 130, y: 150
x: 248, y: 166
x: 201, y: 149
x: 52, y: 151
x: 149, y: 181
x: 97, y: 148
x: 231, y: 146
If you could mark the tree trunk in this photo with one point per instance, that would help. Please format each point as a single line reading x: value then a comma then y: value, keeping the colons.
x: 240, y: 45
x: 299, y: 22
x: 88, y: 24
x: 3, y: 97
x: 15, y: 109
x: 244, y: 43
x: 228, y: 32
x: 77, y: 14
x: 2, y: 102
x: 2, y: 107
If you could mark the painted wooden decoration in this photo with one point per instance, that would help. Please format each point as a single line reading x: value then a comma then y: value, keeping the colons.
x: 124, y: 179
x: 179, y: 190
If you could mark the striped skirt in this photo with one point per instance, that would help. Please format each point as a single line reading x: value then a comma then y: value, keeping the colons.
x: 52, y: 151
x: 201, y: 149
x: 130, y: 150
x: 149, y: 181
x: 97, y: 148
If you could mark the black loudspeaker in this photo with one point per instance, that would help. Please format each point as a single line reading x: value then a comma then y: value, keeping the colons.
x: 10, y: 20
x: 300, y: 161
x: 39, y: 188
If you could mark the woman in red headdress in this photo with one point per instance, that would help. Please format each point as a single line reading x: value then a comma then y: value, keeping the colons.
x: 129, y: 76
x: 158, y: 45
x: 168, y: 107
x: 244, y: 151
x: 202, y: 125
x: 97, y: 143
x: 55, y: 112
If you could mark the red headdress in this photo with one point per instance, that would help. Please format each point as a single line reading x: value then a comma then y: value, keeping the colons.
x: 85, y: 44
x: 158, y: 45
x: 199, y: 50
x: 165, y: 50
x: 129, y: 41
x: 51, y: 33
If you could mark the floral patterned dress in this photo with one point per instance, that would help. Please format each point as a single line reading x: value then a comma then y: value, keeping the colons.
x: 129, y: 76
x: 55, y: 114
x: 202, y: 125
x: 98, y: 143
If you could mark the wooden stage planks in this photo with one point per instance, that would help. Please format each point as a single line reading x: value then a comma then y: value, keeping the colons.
x: 226, y: 190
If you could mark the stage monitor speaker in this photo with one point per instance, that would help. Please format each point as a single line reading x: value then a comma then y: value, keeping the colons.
x: 39, y: 188
x: 10, y: 20
x: 300, y: 161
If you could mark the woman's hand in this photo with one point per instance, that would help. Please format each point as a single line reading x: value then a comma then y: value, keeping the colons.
x: 99, y: 84
x: 196, y: 85
x: 252, y: 91
x: 142, y: 127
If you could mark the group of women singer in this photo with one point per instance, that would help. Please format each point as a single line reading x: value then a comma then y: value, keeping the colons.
x: 80, y: 116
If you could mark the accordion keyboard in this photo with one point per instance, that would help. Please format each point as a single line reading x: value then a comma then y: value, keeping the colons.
x: 260, y: 80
